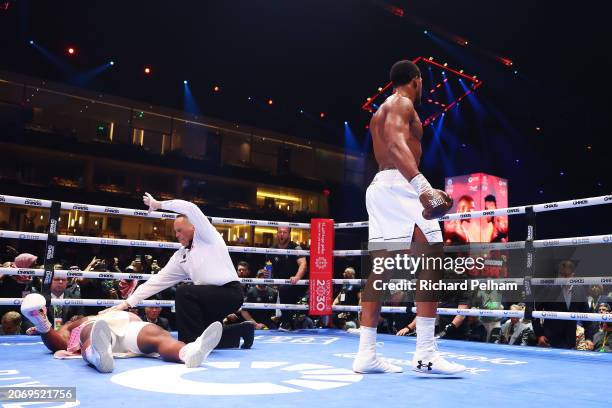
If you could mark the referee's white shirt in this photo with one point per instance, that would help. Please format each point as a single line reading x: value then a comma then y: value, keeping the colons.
x: 207, y: 262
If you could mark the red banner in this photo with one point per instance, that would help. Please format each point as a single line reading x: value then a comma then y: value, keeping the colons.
x: 321, y: 266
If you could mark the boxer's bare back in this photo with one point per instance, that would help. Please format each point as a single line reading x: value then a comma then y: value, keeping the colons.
x: 394, y: 126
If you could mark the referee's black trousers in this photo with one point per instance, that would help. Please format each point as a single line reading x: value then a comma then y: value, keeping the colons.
x: 197, y: 306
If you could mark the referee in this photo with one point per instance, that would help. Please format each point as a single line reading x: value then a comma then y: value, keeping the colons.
x: 204, y: 258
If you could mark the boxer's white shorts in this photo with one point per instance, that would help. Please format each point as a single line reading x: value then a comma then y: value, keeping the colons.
x: 393, y: 210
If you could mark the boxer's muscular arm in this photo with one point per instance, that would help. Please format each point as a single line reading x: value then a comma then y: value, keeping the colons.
x: 395, y: 133
x: 58, y: 339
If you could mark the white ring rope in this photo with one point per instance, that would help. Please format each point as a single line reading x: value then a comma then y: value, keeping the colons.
x: 65, y: 273
x: 33, y: 202
x: 541, y: 243
x: 545, y: 207
x: 592, y: 317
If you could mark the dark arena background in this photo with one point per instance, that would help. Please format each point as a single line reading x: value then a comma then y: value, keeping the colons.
x: 259, y: 113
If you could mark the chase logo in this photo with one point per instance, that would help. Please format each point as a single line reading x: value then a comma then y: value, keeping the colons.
x: 80, y: 207
x: 580, y: 202
x: 141, y: 213
x: 254, y: 378
x: 512, y: 211
x: 166, y: 215
x: 138, y: 243
x: 109, y: 242
x: 34, y: 203
x: 228, y: 221
x: 111, y: 210
x: 555, y: 205
x: 578, y: 241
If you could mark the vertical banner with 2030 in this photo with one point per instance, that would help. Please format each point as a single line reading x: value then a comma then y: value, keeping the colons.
x: 321, y: 266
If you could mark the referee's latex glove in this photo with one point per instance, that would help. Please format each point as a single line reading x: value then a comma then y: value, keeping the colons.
x: 152, y: 203
x: 117, y: 308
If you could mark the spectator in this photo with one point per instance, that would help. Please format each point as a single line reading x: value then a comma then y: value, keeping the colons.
x: 490, y: 300
x: 594, y: 298
x: 517, y: 331
x: 17, y: 286
x: 301, y: 321
x: 393, y: 323
x: 155, y: 268
x: 408, y: 330
x: 95, y: 288
x: 566, y: 298
x: 243, y: 269
x: 349, y: 295
x: 136, y: 266
x: 595, y: 292
x: 581, y: 342
x: 59, y: 314
x: 11, y: 324
x: 602, y: 340
x: 147, y: 265
x: 263, y: 318
x: 288, y: 267
x: 476, y: 330
x: 453, y: 327
x: 152, y: 316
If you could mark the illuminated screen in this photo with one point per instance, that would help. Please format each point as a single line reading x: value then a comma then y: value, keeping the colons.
x: 475, y: 192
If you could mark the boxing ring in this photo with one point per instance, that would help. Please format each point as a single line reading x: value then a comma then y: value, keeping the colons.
x: 315, y: 365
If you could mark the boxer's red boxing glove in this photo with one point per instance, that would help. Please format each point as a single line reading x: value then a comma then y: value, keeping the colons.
x: 435, y: 203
